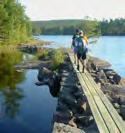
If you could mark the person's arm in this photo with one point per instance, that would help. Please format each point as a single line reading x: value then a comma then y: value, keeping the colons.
x: 73, y: 38
x: 86, y: 40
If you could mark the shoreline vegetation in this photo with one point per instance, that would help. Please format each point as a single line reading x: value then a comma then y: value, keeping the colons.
x: 112, y: 27
x: 51, y: 64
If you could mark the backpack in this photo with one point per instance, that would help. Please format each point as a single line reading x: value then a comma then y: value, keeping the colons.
x: 80, y: 45
x: 74, y: 40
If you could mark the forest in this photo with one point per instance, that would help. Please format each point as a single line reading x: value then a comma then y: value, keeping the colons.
x: 90, y: 27
x: 113, y: 27
x: 15, y: 26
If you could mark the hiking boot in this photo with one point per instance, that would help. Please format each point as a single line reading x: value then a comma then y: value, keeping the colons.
x: 77, y: 67
x: 83, y: 69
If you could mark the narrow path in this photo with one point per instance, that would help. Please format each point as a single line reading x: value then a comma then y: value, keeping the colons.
x: 73, y: 113
x: 106, y: 117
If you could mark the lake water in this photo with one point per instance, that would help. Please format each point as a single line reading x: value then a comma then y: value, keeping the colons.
x: 24, y: 107
x: 27, y: 108
x: 110, y: 48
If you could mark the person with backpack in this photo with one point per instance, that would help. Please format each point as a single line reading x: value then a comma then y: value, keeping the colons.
x: 82, y: 43
x: 74, y: 44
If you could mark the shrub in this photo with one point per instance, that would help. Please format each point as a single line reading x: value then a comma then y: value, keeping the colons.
x: 42, y: 54
x: 58, y: 58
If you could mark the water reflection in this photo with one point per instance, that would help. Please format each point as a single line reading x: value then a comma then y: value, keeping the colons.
x: 9, y: 78
x: 12, y: 101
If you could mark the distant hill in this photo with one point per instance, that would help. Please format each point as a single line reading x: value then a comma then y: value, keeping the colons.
x: 65, y: 27
x: 57, y: 23
x: 114, y: 27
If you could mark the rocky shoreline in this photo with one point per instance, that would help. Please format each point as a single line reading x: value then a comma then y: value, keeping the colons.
x: 73, y: 113
x: 112, y: 84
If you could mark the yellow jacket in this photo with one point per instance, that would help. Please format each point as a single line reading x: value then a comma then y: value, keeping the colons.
x: 86, y: 39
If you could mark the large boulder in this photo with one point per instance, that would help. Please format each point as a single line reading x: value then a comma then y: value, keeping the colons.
x: 50, y: 78
x: 99, y: 63
x: 44, y: 74
x: 113, y: 77
x: 116, y: 92
x: 63, y: 128
x: 63, y: 117
x: 69, y: 100
x: 101, y: 77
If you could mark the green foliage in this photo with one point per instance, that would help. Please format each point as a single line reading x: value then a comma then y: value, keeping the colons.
x: 56, y: 23
x: 91, y: 28
x: 15, y: 27
x: 9, y: 77
x: 42, y: 54
x: 55, y: 27
x: 58, y: 58
x: 67, y: 27
x: 113, y: 27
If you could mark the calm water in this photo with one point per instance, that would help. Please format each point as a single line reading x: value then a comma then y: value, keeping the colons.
x: 24, y: 107
x: 27, y: 108
x: 111, y: 48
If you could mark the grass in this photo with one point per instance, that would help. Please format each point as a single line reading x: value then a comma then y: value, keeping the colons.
x: 42, y: 54
x: 58, y: 58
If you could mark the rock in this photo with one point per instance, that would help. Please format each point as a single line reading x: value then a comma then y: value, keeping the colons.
x: 41, y: 83
x: 113, y: 77
x: 116, y: 105
x: 99, y: 63
x: 69, y: 100
x: 62, y: 128
x: 81, y: 101
x: 62, y: 117
x: 109, y: 72
x: 28, y: 65
x: 102, y: 77
x: 122, y: 82
x: 55, y: 83
x: 78, y: 94
x: 62, y: 106
x: 83, y: 120
x: 50, y: 78
x: 115, y: 92
x: 80, y: 110
x: 75, y: 89
x: 122, y: 111
x: 44, y: 74
x: 72, y: 123
x: 116, y: 78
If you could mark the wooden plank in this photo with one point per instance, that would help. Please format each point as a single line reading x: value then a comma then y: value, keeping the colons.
x: 98, y: 118
x: 105, y: 114
x: 115, y: 116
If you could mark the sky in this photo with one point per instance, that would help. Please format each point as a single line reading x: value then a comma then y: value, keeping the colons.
x: 74, y: 9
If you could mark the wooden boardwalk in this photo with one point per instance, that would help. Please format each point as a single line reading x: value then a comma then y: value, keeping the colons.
x: 105, y: 115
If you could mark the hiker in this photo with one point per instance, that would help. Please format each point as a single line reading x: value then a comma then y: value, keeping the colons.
x: 81, y: 49
x: 86, y: 42
x: 74, y: 44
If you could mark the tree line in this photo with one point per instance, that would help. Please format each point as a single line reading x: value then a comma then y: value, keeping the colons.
x: 113, y: 27
x: 15, y: 26
x: 90, y: 27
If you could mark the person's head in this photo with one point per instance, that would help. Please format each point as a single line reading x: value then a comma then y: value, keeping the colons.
x: 77, y: 31
x: 81, y: 33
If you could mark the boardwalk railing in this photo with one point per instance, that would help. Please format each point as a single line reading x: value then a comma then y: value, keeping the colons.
x: 105, y: 115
